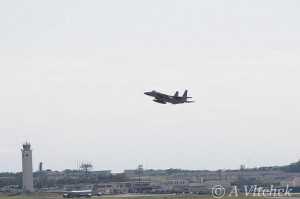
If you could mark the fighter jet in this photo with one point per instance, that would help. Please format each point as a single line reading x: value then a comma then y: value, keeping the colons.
x: 163, y: 98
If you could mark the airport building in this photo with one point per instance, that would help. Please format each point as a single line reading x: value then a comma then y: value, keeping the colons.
x: 292, y: 182
x: 171, y: 185
x: 27, y: 176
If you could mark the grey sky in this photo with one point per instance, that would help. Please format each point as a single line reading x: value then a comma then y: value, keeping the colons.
x: 73, y: 73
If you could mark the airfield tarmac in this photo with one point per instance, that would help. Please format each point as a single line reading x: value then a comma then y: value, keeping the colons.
x: 127, y: 196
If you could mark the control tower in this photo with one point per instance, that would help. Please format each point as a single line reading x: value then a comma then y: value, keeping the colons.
x: 27, y: 176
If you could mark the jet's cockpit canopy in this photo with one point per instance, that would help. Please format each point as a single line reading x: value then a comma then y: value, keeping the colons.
x: 153, y: 91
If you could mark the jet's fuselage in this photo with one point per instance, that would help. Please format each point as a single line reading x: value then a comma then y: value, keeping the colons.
x: 163, y: 98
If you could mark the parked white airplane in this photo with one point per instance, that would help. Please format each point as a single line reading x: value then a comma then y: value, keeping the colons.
x: 83, y: 193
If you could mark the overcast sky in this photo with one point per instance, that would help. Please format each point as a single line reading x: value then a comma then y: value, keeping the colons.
x: 73, y: 74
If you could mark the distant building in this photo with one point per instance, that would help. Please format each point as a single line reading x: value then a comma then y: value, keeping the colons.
x: 27, y: 175
x: 292, y: 182
x: 114, y: 187
x: 171, y: 185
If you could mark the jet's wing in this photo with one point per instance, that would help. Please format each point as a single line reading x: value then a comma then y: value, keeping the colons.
x: 160, y: 96
x: 163, y: 96
x: 159, y: 101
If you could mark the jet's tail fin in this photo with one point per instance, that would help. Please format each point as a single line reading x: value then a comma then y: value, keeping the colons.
x: 176, y: 94
x: 185, y: 94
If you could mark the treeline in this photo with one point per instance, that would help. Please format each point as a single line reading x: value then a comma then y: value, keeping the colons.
x: 46, y: 182
x: 42, y: 181
x: 291, y: 168
x: 294, y: 167
x: 7, y: 179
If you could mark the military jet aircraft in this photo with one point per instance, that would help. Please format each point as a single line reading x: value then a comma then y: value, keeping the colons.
x: 163, y: 98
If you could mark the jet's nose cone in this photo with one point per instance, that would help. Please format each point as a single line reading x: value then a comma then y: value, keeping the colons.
x: 146, y: 93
